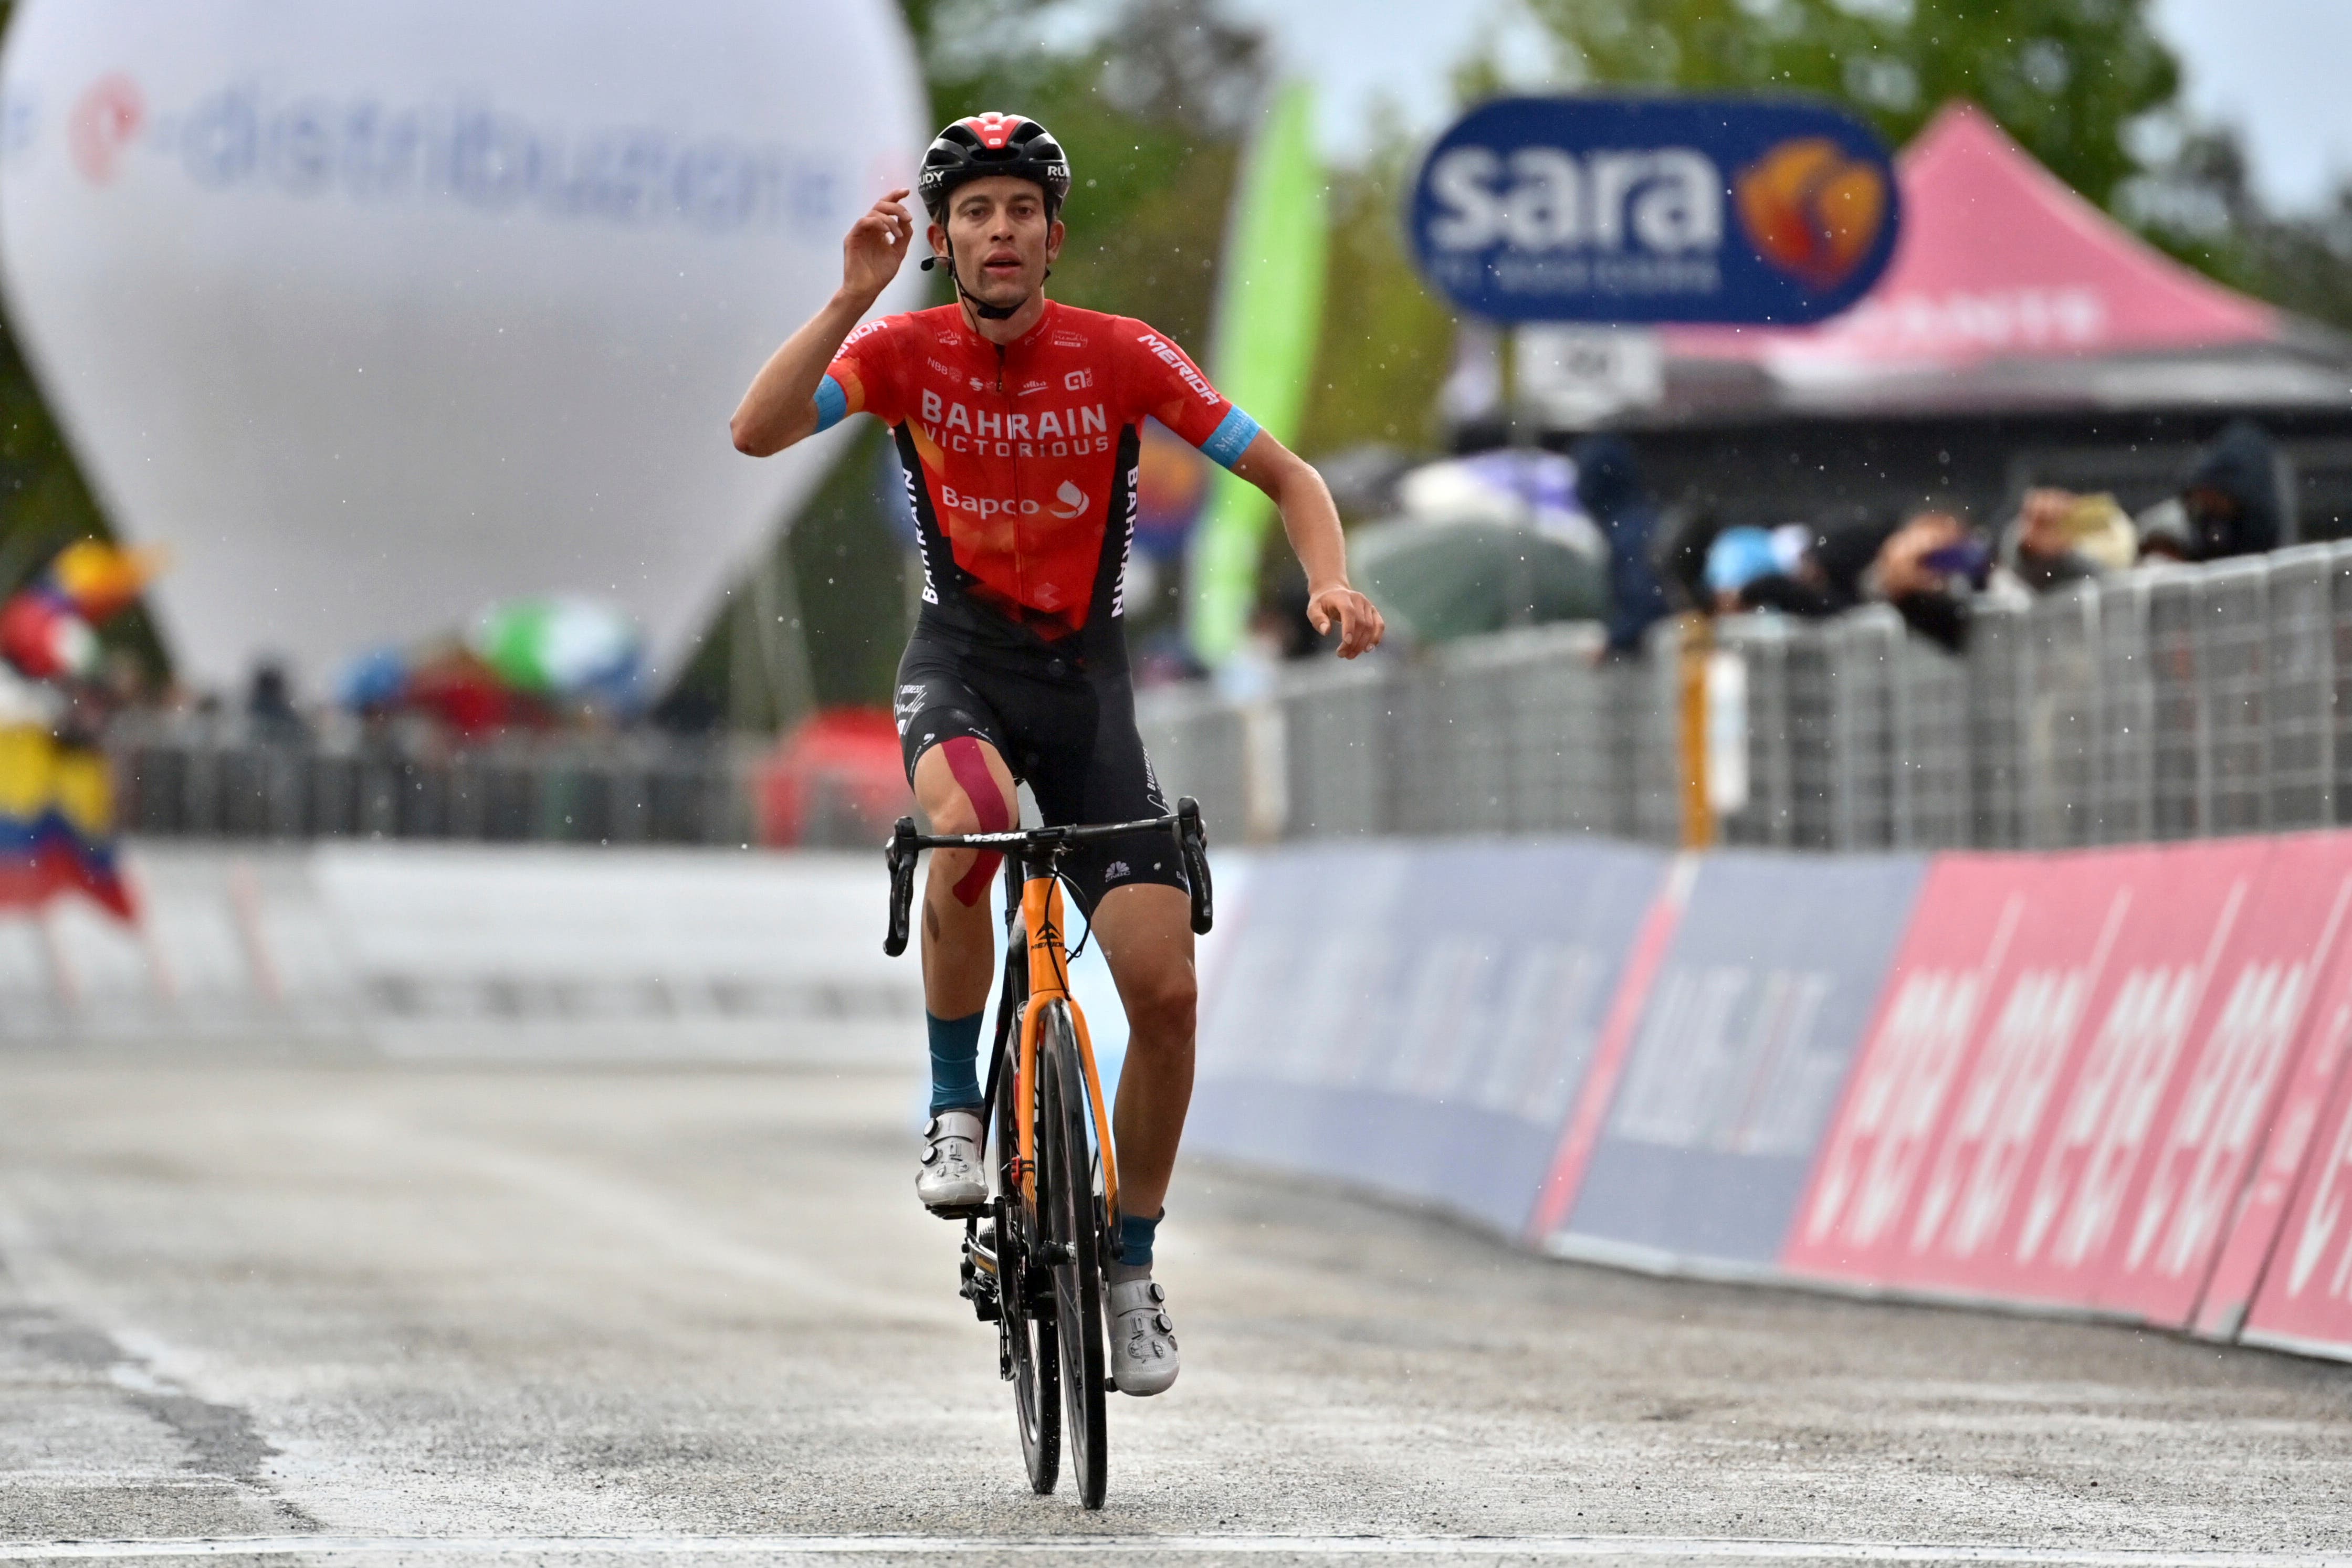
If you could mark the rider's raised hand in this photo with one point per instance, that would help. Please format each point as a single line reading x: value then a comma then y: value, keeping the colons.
x: 1359, y: 619
x: 877, y: 244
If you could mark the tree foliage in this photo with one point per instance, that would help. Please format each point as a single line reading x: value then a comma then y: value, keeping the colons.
x: 2066, y: 77
x: 44, y: 501
x: 2202, y: 206
x: 1152, y: 107
x: 1387, y: 339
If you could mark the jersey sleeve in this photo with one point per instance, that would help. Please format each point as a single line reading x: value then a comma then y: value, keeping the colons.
x: 1161, y: 381
x: 864, y: 376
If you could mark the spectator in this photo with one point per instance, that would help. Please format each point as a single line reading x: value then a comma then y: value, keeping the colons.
x: 1930, y: 570
x: 1682, y: 558
x: 2059, y: 537
x: 1767, y: 569
x: 269, y: 705
x: 1795, y: 568
x: 2231, y: 495
x: 1609, y: 487
x: 2166, y: 532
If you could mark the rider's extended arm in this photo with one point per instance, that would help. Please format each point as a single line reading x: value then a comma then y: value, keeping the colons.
x: 781, y: 407
x: 1307, y: 515
x: 1312, y: 523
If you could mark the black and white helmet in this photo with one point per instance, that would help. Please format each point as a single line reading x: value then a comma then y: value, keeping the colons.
x: 988, y: 144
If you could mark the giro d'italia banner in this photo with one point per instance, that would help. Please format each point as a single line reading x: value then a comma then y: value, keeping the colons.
x: 1654, y: 209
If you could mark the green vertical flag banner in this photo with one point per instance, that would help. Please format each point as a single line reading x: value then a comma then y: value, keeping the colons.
x: 1269, y: 316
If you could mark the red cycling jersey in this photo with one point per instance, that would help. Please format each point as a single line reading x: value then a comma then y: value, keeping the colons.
x: 1021, y: 459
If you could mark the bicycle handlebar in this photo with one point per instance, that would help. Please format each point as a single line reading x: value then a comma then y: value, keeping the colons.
x: 905, y: 845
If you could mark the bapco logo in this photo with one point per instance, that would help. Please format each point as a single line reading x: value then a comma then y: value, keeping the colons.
x: 1073, y: 501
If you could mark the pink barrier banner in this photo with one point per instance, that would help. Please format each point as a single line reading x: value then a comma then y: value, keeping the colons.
x: 2051, y: 1239
x: 2305, y: 1300
x: 2074, y: 1066
x: 2252, y: 1238
x: 1980, y: 1017
x: 2220, y: 1106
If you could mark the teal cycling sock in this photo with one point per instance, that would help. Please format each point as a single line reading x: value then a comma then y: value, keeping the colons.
x: 955, y: 1062
x: 1135, y: 1235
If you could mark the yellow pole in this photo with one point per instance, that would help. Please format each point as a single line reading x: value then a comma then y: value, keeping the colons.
x: 1697, y: 644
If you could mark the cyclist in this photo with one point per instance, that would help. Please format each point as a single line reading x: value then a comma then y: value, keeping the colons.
x: 1017, y: 421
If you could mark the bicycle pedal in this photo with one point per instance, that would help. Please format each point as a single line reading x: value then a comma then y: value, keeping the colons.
x: 958, y: 1211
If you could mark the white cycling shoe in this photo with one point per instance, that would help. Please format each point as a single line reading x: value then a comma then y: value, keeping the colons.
x: 1142, y: 1340
x: 951, y: 1182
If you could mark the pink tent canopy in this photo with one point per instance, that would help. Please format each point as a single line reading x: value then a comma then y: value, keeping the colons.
x: 1998, y: 260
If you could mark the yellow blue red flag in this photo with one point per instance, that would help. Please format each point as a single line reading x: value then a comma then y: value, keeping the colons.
x: 56, y: 823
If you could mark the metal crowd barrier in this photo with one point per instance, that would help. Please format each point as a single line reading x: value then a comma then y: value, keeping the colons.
x: 198, y: 776
x: 2168, y: 703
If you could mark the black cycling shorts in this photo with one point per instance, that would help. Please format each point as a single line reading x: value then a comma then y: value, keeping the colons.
x: 1068, y: 733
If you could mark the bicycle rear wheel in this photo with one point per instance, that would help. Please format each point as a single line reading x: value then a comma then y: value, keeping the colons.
x: 1068, y: 1183
x: 1025, y: 1327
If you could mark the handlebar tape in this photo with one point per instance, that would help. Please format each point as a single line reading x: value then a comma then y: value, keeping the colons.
x: 970, y: 765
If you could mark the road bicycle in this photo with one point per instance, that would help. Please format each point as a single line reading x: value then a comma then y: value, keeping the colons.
x: 1034, y: 1255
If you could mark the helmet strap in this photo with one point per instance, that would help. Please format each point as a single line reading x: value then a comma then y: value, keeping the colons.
x: 978, y: 306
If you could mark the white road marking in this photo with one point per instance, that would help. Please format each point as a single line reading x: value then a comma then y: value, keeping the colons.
x: 1640, y: 1548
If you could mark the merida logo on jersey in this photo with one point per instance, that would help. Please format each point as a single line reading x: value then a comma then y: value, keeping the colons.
x: 1168, y: 354
x: 1047, y: 433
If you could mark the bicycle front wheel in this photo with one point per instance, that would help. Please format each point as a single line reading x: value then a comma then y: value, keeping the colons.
x: 1026, y: 1320
x: 1068, y: 1174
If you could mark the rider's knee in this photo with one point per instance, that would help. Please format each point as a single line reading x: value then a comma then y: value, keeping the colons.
x: 1160, y: 1004
x: 953, y: 813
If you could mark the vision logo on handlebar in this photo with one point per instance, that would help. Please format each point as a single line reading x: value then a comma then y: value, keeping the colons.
x: 1046, y: 846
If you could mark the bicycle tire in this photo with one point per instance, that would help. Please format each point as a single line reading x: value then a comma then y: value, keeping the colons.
x: 1026, y: 1324
x: 1066, y: 1162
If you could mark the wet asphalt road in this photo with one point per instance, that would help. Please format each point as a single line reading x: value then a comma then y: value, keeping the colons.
x: 369, y: 1313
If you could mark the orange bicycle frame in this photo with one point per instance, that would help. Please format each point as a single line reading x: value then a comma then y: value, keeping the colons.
x: 1049, y: 982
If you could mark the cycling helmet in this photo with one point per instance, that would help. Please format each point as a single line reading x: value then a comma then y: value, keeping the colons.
x: 993, y: 144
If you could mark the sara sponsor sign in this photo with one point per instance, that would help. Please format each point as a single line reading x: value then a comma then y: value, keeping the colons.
x: 1597, y: 208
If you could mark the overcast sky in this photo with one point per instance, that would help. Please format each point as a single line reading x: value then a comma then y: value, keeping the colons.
x: 2282, y: 69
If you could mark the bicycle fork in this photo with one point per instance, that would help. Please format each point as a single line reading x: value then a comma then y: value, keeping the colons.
x: 1049, y: 982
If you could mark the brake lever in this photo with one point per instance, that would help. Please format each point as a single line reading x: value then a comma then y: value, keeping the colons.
x: 902, y: 854
x: 1193, y: 843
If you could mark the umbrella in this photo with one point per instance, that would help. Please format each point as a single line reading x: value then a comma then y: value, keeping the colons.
x: 1436, y: 580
